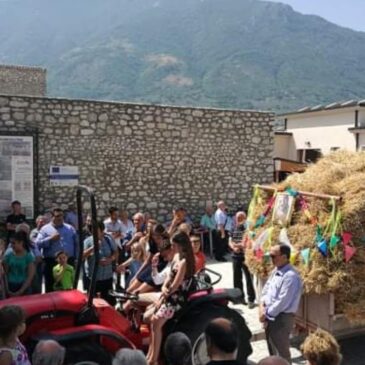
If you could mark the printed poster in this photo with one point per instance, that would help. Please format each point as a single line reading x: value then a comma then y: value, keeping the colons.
x: 16, y: 174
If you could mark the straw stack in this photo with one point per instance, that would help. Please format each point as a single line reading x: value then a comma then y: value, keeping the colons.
x: 341, y: 173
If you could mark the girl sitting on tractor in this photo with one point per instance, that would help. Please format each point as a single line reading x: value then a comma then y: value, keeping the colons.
x: 130, y: 267
x: 175, y: 291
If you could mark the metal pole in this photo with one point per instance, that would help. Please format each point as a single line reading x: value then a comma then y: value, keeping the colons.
x: 85, y: 189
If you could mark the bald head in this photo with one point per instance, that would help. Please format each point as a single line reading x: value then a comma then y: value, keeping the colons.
x: 221, y: 335
x: 273, y: 360
x: 48, y: 352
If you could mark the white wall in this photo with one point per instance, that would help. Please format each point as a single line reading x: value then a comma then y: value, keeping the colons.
x: 281, y: 145
x: 323, y: 130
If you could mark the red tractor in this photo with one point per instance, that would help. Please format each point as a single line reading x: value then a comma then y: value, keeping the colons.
x: 91, y: 329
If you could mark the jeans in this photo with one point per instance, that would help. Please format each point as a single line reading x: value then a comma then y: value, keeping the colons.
x: 102, y: 288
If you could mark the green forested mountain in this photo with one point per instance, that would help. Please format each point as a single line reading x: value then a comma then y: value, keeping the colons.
x: 221, y: 53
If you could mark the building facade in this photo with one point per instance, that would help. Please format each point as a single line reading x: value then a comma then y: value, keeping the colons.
x: 23, y: 80
x: 142, y: 157
x: 311, y: 132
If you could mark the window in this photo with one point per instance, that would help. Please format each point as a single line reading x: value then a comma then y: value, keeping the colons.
x: 362, y: 148
x: 308, y: 155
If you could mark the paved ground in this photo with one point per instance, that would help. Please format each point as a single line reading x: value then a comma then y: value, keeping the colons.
x: 353, y: 349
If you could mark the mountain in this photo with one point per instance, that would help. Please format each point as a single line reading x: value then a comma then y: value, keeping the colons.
x: 219, y: 53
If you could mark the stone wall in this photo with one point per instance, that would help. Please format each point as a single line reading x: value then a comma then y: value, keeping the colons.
x: 22, y: 80
x: 146, y: 157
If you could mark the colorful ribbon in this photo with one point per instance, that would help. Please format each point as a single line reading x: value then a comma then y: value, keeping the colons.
x: 322, y: 247
x: 305, y: 253
x: 349, y: 252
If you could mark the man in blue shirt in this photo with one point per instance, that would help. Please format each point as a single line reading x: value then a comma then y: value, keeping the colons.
x: 54, y: 237
x: 280, y: 301
x: 107, y: 255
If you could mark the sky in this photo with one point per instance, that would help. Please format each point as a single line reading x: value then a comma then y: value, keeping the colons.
x: 347, y: 13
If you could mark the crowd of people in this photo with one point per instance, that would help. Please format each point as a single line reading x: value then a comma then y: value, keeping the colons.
x: 46, y: 255
x: 158, y: 261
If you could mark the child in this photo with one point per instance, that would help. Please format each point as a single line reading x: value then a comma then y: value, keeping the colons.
x: 12, y: 325
x: 19, y: 266
x: 63, y: 273
x: 138, y: 255
x: 199, y: 255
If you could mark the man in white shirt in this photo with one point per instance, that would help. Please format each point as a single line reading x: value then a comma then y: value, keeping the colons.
x: 113, y: 226
x: 128, y: 228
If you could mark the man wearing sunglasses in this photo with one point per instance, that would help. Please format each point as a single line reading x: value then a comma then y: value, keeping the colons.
x: 280, y: 301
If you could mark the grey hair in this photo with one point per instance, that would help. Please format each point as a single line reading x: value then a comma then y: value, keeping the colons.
x: 40, y: 217
x: 138, y: 215
x: 48, y: 352
x: 129, y: 357
x: 23, y: 227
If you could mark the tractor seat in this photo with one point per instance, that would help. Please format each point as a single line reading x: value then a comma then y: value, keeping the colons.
x: 34, y: 305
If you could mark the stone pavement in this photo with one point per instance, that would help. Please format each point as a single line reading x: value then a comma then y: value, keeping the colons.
x: 353, y: 349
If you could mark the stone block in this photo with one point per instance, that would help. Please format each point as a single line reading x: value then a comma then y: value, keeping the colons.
x: 103, y: 117
x: 50, y: 119
x: 84, y: 123
x: 87, y: 132
x: 152, y: 205
x: 131, y: 206
x: 18, y: 116
x: 18, y: 104
x: 4, y: 101
x: 127, y: 131
x: 74, y: 130
x: 148, y: 118
x: 197, y: 113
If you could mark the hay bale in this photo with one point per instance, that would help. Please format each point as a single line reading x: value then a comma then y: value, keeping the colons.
x: 341, y: 173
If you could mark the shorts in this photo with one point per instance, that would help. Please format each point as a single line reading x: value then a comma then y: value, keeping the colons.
x: 166, y: 311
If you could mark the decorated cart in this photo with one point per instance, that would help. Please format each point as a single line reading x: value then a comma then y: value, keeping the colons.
x: 320, y: 214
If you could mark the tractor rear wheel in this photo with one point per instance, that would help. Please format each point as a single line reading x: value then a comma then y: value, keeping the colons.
x: 194, y: 324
